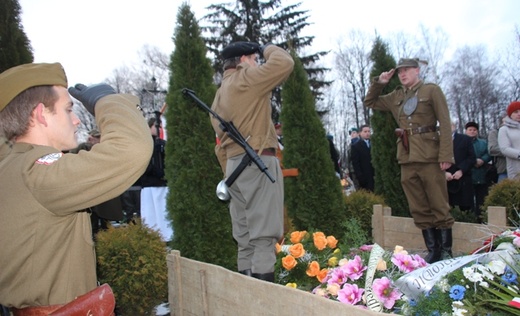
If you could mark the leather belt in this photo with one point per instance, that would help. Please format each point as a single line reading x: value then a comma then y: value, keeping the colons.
x: 420, y: 129
x: 35, y: 311
x: 268, y: 152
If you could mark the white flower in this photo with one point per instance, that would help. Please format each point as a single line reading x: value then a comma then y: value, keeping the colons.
x: 458, y: 309
x: 471, y: 274
x: 485, y: 271
x: 497, y: 267
x: 444, y: 286
x: 484, y: 284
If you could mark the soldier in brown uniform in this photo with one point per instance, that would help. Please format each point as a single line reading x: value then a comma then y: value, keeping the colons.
x: 256, y: 205
x: 424, y: 150
x: 47, y: 253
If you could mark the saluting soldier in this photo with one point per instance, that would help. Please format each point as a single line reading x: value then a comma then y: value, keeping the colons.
x: 424, y: 150
x: 47, y: 253
x: 256, y: 205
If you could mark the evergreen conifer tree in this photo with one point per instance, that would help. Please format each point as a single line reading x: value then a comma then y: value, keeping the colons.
x: 264, y: 22
x: 202, y: 227
x: 384, y: 150
x: 15, y: 48
x: 314, y: 199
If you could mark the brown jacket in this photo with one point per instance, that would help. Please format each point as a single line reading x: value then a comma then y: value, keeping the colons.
x: 432, y: 110
x: 47, y: 253
x: 244, y: 98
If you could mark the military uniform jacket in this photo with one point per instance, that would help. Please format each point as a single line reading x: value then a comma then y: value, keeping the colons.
x: 432, y: 110
x: 46, y: 250
x: 244, y: 98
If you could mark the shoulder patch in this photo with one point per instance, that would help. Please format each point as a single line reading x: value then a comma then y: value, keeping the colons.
x: 49, y: 159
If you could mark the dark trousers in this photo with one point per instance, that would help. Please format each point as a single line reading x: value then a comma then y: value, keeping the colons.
x: 131, y: 203
x: 481, y: 191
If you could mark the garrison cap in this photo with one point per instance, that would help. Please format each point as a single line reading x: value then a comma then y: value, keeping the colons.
x: 15, y: 80
x: 238, y: 49
x: 353, y: 129
x: 408, y: 62
x: 471, y: 124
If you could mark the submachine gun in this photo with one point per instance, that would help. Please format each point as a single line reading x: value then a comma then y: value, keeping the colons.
x: 250, y: 156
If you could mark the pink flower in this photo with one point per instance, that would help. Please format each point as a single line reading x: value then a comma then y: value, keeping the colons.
x: 405, y: 263
x: 350, y: 294
x: 366, y: 247
x: 419, y: 261
x: 516, y: 242
x: 385, y: 293
x: 354, y: 268
x: 336, y: 276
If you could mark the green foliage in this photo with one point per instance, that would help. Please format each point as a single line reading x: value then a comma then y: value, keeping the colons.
x: 355, y: 236
x: 132, y: 261
x: 359, y: 206
x: 384, y: 151
x: 463, y: 216
x: 507, y: 194
x: 314, y: 198
x: 199, y: 218
x: 15, y: 47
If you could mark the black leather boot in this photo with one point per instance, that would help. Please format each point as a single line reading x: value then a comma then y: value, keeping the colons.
x: 247, y: 272
x: 432, y: 240
x: 269, y: 277
x: 446, y: 243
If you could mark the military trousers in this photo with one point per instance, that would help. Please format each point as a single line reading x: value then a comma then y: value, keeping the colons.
x: 424, y: 185
x: 256, y: 209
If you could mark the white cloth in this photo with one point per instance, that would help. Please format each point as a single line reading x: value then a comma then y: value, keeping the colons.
x: 153, y: 210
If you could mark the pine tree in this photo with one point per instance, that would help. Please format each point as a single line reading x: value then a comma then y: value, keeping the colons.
x: 200, y: 220
x: 263, y: 22
x: 15, y: 48
x: 384, y: 150
x: 314, y: 199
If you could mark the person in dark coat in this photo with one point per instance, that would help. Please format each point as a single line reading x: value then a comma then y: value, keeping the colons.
x: 334, y: 156
x: 362, y: 160
x: 458, y: 176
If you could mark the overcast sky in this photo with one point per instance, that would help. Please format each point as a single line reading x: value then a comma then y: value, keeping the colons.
x: 92, y: 38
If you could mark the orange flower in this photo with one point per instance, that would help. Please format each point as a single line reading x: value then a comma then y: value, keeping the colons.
x: 297, y: 250
x: 318, y: 234
x: 313, y: 269
x: 278, y: 248
x: 320, y: 241
x: 288, y: 262
x: 322, y: 275
x: 332, y: 242
x: 297, y: 236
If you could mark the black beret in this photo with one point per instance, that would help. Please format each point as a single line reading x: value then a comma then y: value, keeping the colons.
x: 471, y: 124
x: 238, y: 49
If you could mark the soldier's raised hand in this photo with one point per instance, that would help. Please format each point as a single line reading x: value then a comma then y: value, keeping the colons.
x: 386, y: 76
x: 89, y: 96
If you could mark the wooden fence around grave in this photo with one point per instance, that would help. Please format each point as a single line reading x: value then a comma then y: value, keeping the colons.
x: 389, y: 231
x: 203, y: 289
